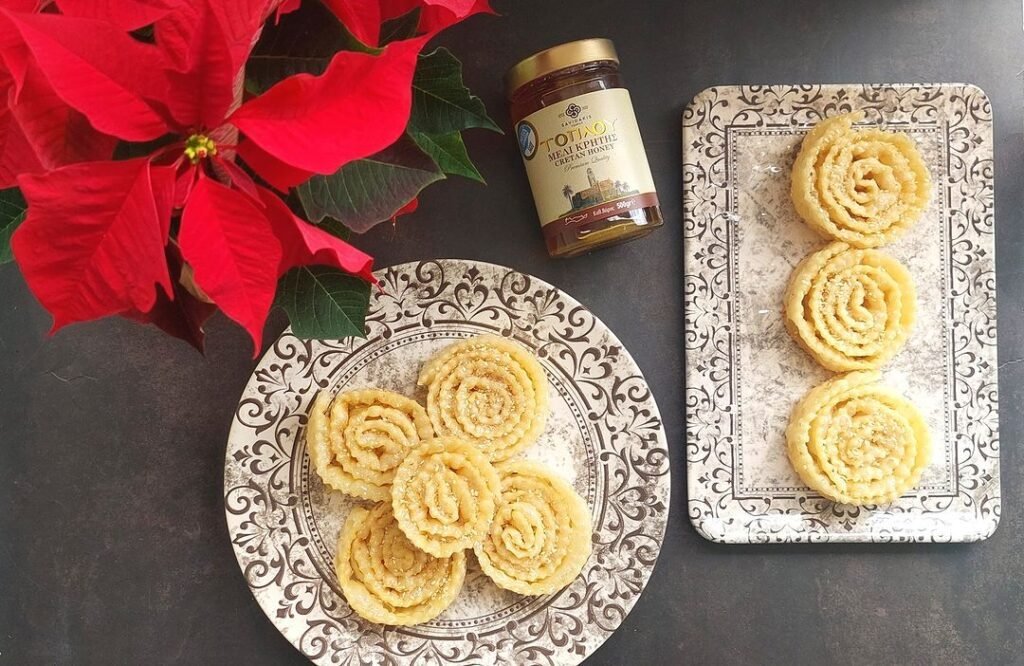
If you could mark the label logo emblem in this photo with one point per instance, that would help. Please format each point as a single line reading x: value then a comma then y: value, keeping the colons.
x: 527, y: 136
x: 573, y: 110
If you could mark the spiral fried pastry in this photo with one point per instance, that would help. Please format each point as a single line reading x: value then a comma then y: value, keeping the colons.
x: 857, y: 442
x: 385, y: 578
x: 851, y: 309
x: 444, y: 495
x: 540, y: 537
x: 863, y: 187
x: 489, y: 391
x: 357, y: 442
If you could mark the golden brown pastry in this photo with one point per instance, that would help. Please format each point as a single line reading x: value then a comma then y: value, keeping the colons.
x: 851, y: 309
x: 444, y: 495
x: 863, y: 187
x: 858, y: 442
x: 540, y: 537
x: 357, y: 441
x: 489, y: 391
x: 386, y: 579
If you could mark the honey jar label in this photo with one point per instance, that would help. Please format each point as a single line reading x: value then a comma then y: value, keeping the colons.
x: 585, y: 160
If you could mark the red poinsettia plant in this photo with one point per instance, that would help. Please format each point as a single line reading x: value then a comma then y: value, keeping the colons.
x: 162, y: 159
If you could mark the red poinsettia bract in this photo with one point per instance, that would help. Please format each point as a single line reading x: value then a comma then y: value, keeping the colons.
x: 156, y: 238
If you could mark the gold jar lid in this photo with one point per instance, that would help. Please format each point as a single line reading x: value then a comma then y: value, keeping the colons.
x: 559, y: 57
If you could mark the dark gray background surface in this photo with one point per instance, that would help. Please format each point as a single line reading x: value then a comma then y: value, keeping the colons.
x: 113, y: 545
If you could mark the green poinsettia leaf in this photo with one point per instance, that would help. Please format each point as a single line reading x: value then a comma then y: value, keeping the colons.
x: 303, y: 42
x: 335, y: 228
x: 402, y: 27
x: 328, y: 224
x: 441, y: 103
x: 449, y: 152
x: 12, y: 213
x: 324, y: 302
x: 366, y: 192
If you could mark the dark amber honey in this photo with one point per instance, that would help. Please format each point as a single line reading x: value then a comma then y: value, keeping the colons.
x: 559, y: 76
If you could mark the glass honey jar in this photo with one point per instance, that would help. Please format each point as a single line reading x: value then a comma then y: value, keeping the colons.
x: 581, y: 146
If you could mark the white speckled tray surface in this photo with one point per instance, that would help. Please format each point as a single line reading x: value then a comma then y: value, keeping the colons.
x: 743, y: 371
x: 604, y: 435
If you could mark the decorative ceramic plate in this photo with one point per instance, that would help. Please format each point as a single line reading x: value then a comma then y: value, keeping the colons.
x: 743, y: 371
x: 604, y: 434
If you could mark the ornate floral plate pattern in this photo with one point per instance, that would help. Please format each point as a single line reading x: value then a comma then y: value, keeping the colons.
x: 743, y: 371
x: 604, y: 435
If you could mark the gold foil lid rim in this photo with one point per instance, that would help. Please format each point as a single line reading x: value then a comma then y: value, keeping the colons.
x: 556, y: 58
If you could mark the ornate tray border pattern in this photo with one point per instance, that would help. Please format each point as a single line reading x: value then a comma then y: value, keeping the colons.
x: 963, y: 113
x: 266, y: 473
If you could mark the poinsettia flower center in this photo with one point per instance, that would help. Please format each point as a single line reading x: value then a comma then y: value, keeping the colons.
x: 198, y: 147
